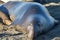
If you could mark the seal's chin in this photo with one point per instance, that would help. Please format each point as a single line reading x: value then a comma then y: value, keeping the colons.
x: 7, y: 22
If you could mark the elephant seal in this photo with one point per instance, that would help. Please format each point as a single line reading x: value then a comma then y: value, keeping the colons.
x: 31, y: 16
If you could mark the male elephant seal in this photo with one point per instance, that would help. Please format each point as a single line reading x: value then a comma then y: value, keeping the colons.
x: 31, y: 16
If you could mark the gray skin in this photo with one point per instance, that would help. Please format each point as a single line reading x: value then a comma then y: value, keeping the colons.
x: 32, y: 16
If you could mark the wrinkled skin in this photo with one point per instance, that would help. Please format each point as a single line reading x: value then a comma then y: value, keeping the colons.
x: 33, y: 17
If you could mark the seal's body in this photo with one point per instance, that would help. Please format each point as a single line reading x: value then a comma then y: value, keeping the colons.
x: 32, y: 16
